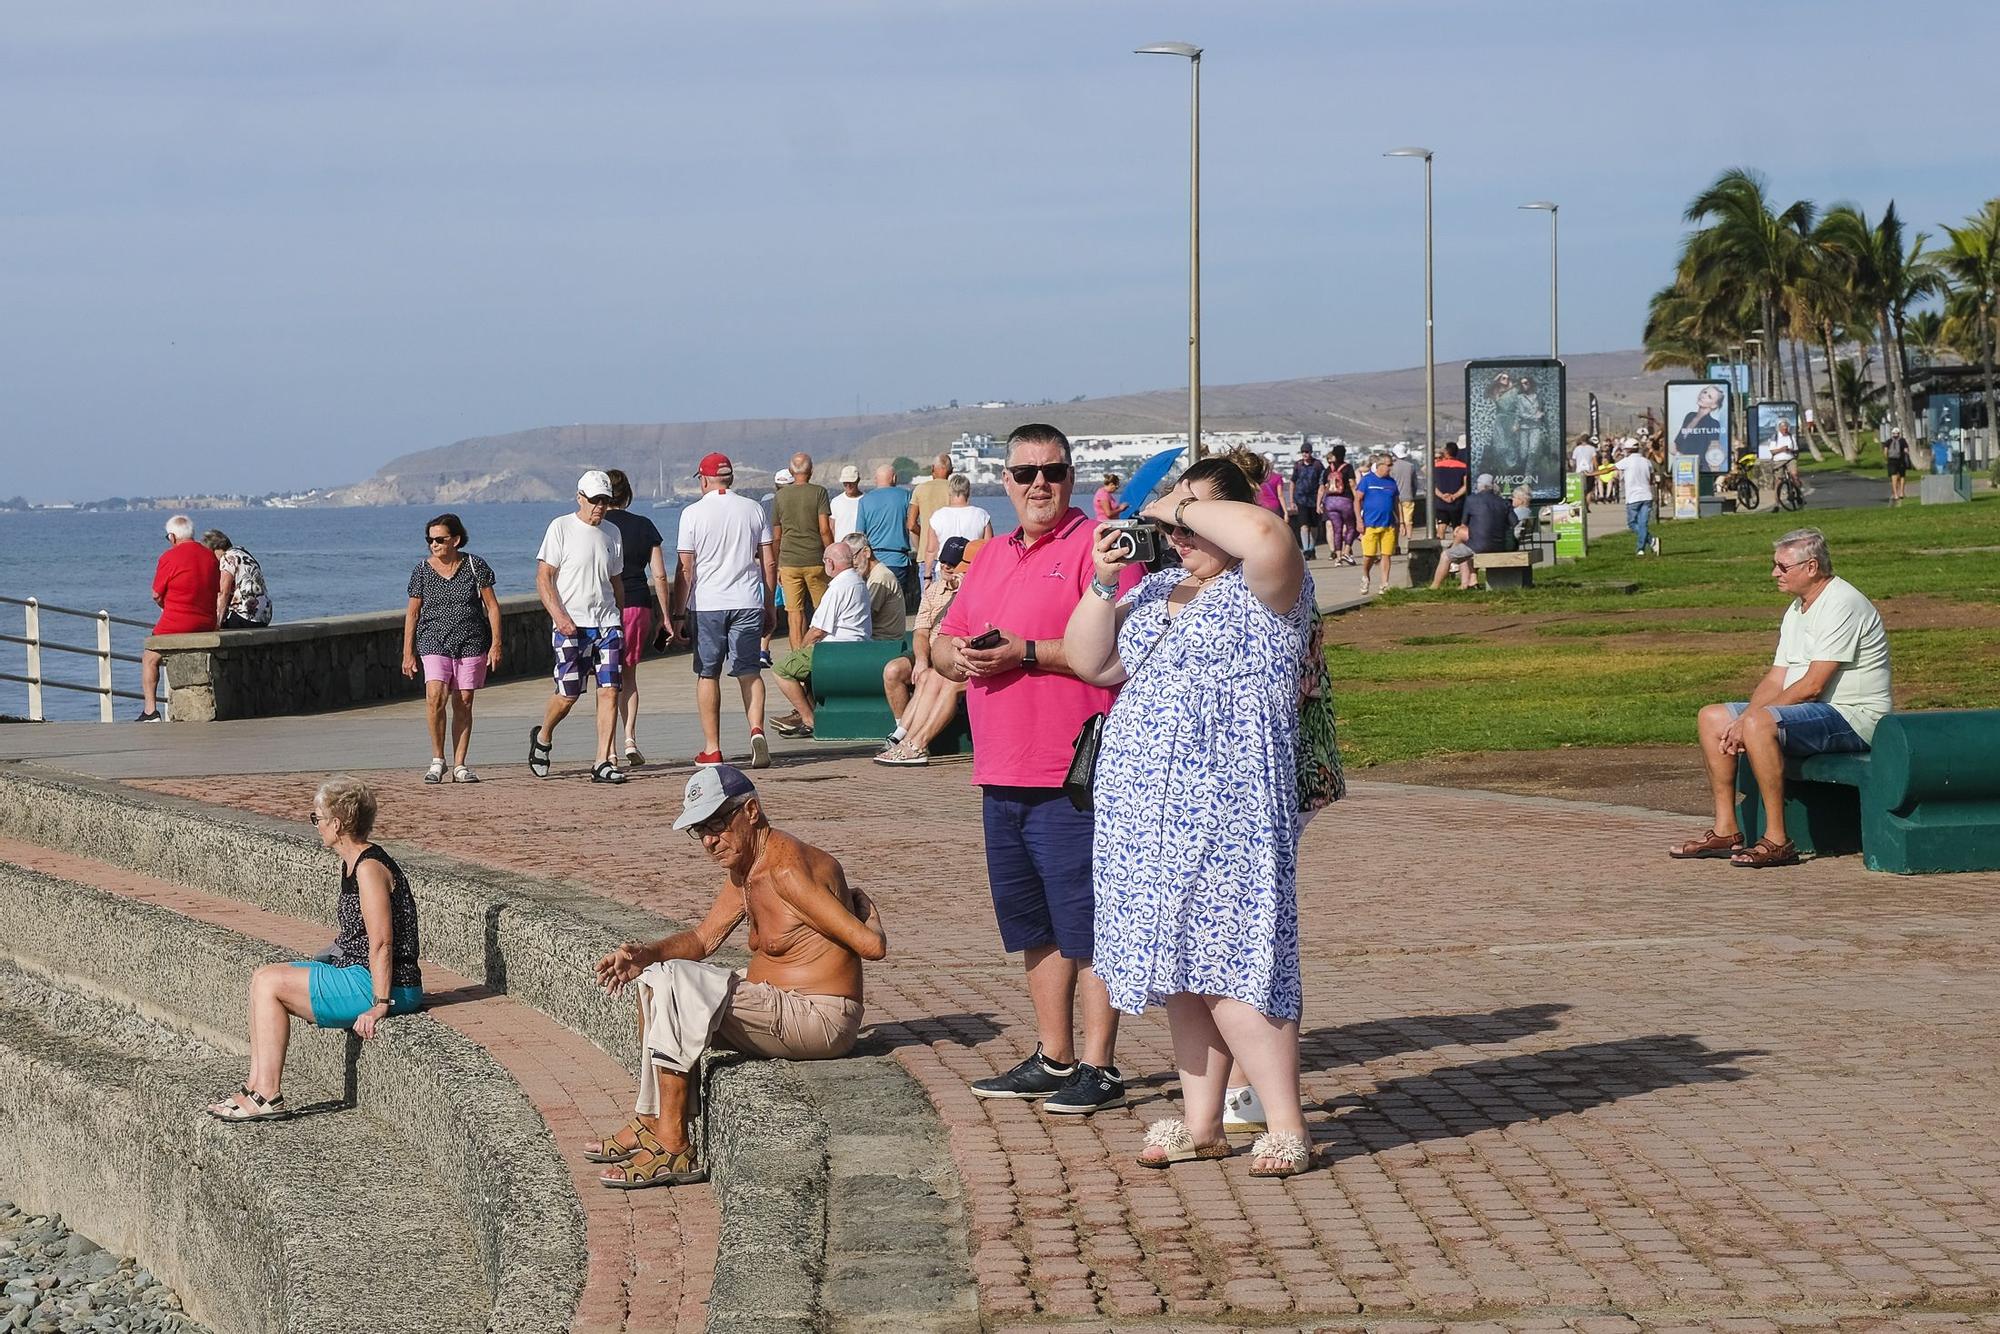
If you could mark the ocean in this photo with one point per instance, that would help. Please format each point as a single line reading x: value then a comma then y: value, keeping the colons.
x: 317, y: 562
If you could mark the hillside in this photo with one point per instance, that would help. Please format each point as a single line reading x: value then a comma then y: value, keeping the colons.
x: 542, y: 464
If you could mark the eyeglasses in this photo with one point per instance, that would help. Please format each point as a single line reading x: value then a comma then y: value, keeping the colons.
x: 1024, y: 473
x: 437, y: 541
x: 602, y: 502
x: 1174, y: 532
x: 314, y: 817
x: 714, y: 824
x: 1783, y: 568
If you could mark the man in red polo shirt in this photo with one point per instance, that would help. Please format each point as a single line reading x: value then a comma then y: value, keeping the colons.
x: 1025, y: 708
x: 186, y: 580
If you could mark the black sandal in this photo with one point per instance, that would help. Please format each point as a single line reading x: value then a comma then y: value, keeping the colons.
x: 538, y: 753
x: 607, y: 772
x: 272, y: 1109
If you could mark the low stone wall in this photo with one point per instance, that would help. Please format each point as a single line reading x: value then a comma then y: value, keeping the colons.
x: 333, y: 663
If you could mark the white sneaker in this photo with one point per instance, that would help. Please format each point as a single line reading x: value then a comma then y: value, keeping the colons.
x: 1242, y: 1113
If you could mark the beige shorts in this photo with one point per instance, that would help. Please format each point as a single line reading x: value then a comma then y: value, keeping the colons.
x: 764, y: 1020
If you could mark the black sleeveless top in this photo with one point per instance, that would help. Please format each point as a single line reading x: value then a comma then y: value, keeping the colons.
x: 351, y: 949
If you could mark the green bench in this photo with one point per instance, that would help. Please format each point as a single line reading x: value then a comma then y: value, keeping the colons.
x: 1924, y: 798
x: 848, y: 703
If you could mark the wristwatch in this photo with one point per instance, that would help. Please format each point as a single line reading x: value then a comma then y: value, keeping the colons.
x: 383, y: 1000
x: 1027, y: 653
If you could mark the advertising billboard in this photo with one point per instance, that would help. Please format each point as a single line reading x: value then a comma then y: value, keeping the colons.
x: 1515, y: 425
x: 1737, y: 373
x: 1698, y: 423
x: 1775, y: 426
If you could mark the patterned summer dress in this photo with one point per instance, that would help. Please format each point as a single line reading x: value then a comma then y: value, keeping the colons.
x: 1197, y: 831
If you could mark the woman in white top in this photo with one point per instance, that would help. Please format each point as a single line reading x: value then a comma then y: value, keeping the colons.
x: 957, y: 517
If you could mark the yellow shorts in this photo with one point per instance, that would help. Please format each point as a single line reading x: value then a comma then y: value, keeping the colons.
x: 1409, y: 508
x: 1378, y: 541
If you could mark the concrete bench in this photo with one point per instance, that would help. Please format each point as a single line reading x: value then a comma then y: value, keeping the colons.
x: 1508, y: 569
x: 1925, y: 798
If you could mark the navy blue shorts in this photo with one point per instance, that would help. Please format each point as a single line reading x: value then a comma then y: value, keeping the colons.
x: 1809, y: 729
x: 1038, y: 862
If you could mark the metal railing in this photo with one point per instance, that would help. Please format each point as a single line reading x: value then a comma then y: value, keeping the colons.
x: 36, y: 646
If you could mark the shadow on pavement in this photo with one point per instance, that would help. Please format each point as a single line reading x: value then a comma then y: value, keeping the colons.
x: 1357, y: 1044
x: 958, y: 1030
x: 1462, y: 1100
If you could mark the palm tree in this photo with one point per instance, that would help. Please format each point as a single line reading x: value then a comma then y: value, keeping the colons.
x: 1852, y: 384
x: 1887, y: 277
x: 1970, y: 267
x: 1925, y: 331
x: 1822, y: 304
x: 1745, y: 246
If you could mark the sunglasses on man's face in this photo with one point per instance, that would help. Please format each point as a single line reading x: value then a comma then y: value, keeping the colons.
x: 1024, y: 473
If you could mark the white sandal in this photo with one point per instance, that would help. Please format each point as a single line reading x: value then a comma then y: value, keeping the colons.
x: 435, y: 774
x: 464, y: 774
x: 1177, y: 1145
x: 1294, y: 1155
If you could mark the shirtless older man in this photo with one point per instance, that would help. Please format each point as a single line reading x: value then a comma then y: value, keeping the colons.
x: 799, y: 999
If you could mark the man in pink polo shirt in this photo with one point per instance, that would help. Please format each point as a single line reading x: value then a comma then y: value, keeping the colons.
x: 1025, y: 708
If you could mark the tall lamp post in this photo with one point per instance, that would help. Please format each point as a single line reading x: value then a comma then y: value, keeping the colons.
x: 1555, y: 267
x: 1192, y: 54
x: 1430, y: 348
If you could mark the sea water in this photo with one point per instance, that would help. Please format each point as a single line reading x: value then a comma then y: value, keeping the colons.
x: 316, y: 562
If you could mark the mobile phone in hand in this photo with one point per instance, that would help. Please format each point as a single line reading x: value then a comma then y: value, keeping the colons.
x: 991, y: 639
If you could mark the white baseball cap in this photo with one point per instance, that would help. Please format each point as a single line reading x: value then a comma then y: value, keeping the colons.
x: 783, y: 477
x: 593, y: 483
x: 850, y: 473
x: 710, y: 790
x: 1400, y: 450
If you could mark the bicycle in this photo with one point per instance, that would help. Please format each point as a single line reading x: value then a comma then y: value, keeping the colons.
x: 1790, y: 495
x: 1743, y: 483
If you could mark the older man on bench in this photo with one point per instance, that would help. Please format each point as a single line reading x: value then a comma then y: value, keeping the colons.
x: 800, y: 998
x: 1827, y: 688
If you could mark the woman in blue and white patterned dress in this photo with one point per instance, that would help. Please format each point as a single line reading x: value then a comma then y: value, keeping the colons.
x: 1198, y: 821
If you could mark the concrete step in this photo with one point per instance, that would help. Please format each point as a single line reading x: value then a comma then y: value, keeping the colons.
x: 325, y: 1222
x: 456, y: 1120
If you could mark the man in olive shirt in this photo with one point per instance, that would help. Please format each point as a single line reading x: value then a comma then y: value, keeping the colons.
x: 926, y: 499
x: 801, y: 529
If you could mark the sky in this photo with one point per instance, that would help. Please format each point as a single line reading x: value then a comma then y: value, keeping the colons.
x: 248, y: 247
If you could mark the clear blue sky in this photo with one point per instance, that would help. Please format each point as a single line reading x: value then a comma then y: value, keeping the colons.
x: 255, y: 246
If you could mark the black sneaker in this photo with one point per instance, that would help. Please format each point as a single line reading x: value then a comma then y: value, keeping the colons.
x: 152, y: 717
x: 1089, y: 1090
x: 1036, y: 1077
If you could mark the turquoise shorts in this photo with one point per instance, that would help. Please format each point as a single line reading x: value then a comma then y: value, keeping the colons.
x: 342, y: 995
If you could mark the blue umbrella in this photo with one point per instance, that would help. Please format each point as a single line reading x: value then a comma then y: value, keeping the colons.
x: 1146, y: 479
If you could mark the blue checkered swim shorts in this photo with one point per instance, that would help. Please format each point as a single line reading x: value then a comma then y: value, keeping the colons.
x: 593, y: 649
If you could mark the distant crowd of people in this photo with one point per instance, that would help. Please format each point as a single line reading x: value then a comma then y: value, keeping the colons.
x: 200, y: 586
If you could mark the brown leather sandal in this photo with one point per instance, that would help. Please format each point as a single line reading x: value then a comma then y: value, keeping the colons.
x: 609, y: 1150
x: 653, y: 1164
x: 1710, y: 844
x: 1767, y: 853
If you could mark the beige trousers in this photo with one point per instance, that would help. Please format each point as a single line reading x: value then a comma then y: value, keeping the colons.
x: 685, y: 1007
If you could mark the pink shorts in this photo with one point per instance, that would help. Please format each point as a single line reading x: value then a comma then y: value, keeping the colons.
x: 458, y: 673
x: 638, y: 633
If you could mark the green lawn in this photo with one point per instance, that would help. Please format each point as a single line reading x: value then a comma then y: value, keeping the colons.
x: 1575, y: 684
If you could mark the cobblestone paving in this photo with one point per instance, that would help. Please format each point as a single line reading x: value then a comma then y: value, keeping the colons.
x: 1560, y: 1082
x: 650, y: 1261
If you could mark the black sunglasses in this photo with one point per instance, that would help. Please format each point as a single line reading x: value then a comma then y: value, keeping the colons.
x: 438, y: 541
x: 314, y: 817
x: 714, y: 824
x: 1024, y: 473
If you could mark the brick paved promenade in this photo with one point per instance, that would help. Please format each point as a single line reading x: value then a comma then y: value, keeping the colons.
x: 1557, y: 1076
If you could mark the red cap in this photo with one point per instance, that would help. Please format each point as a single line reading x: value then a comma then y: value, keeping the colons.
x: 716, y: 465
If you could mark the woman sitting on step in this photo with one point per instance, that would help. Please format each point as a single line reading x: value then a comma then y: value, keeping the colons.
x: 373, y: 971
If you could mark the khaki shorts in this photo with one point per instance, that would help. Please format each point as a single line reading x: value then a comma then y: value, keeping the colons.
x: 764, y: 1020
x: 804, y: 585
x: 1378, y: 541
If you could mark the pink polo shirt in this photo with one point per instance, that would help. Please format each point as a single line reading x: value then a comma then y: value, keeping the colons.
x: 1024, y: 723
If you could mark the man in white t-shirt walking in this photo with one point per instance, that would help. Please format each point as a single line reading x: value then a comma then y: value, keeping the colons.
x: 1827, y: 689
x: 576, y: 574
x: 844, y: 506
x: 844, y: 616
x: 729, y: 571
x: 1635, y: 471
x: 1583, y: 462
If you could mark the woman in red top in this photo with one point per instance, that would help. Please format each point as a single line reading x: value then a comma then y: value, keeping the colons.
x: 185, y: 585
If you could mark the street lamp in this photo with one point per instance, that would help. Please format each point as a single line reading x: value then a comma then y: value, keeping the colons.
x: 1430, y: 347
x: 1192, y: 54
x: 1551, y: 208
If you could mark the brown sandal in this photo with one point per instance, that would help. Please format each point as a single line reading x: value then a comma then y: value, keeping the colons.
x: 653, y: 1165
x: 1767, y: 853
x: 609, y: 1150
x: 1710, y: 844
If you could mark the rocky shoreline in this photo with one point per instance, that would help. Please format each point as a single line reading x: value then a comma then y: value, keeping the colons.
x: 54, y: 1280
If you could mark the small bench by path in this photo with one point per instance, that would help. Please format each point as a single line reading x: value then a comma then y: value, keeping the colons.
x: 1508, y: 569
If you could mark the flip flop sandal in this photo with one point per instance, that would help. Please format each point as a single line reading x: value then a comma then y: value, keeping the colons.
x: 1766, y: 853
x: 1177, y: 1145
x: 662, y: 1169
x: 538, y: 754
x: 272, y: 1109
x: 1293, y: 1154
x: 607, y: 772
x: 609, y: 1150
x: 1710, y: 844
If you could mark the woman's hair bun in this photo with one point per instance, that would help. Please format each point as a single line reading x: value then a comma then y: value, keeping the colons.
x: 1254, y: 465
